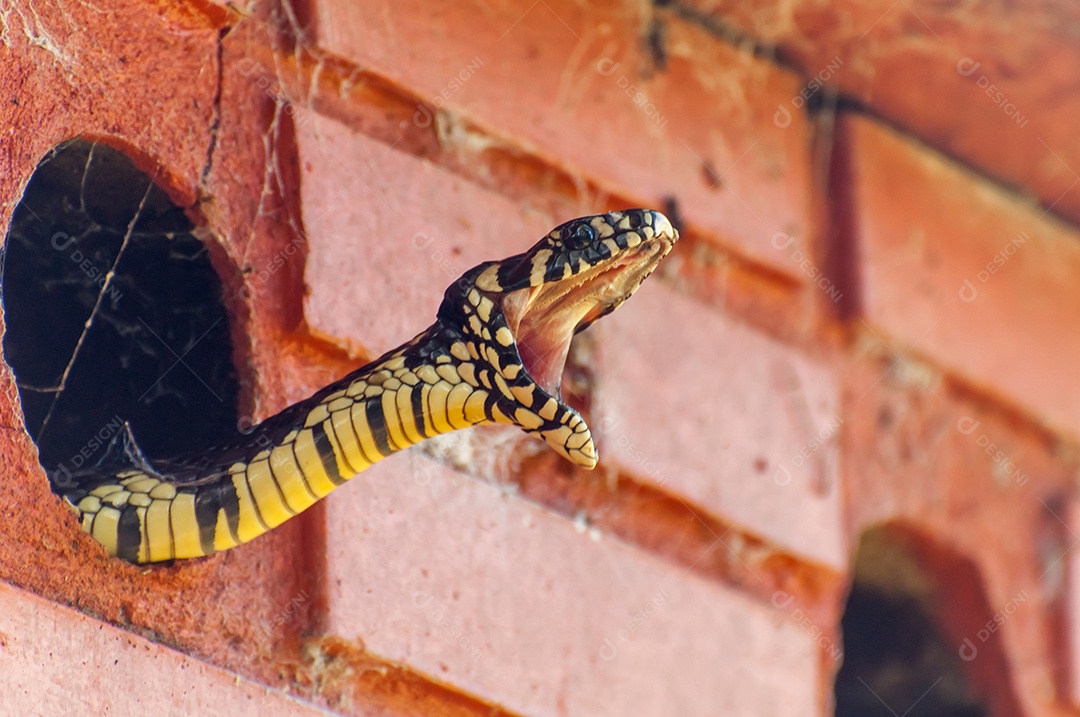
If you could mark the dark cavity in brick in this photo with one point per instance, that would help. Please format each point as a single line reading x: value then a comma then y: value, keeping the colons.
x: 147, y: 345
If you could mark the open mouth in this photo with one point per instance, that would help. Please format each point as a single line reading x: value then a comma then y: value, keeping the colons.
x: 544, y: 319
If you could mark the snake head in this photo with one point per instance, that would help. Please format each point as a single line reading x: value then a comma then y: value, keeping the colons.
x: 517, y: 316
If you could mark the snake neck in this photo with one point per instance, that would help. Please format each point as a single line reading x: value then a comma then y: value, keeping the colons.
x: 234, y: 493
x: 424, y: 388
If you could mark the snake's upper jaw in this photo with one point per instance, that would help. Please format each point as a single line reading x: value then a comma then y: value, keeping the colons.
x: 544, y: 318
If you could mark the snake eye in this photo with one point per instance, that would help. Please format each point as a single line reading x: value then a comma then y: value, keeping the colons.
x: 580, y: 236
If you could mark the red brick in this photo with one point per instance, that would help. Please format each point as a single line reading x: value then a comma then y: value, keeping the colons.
x: 974, y: 481
x: 388, y: 232
x: 63, y: 81
x: 994, y: 88
x: 562, y: 79
x: 142, y: 77
x: 735, y: 422
x: 959, y: 272
x: 1072, y: 606
x: 503, y: 599
x: 54, y: 660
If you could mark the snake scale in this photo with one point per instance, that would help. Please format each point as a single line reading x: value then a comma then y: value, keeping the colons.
x: 495, y: 354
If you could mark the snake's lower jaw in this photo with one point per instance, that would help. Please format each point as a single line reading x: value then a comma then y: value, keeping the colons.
x: 579, y: 449
x: 585, y: 456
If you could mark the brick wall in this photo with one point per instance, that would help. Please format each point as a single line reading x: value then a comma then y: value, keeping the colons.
x: 866, y: 331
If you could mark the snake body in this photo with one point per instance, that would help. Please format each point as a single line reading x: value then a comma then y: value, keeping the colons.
x: 494, y: 355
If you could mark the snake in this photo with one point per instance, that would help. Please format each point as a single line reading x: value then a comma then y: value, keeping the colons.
x: 495, y: 354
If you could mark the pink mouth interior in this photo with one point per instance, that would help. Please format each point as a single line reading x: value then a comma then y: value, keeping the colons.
x: 545, y: 359
x: 542, y: 345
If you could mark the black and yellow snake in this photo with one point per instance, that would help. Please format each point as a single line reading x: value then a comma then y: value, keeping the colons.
x: 495, y: 354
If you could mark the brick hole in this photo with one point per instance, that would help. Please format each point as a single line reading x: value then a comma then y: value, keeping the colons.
x: 911, y: 606
x: 164, y: 303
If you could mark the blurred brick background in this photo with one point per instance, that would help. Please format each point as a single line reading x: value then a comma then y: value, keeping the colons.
x: 858, y: 368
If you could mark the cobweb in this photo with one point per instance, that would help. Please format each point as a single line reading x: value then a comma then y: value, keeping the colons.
x: 113, y: 314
